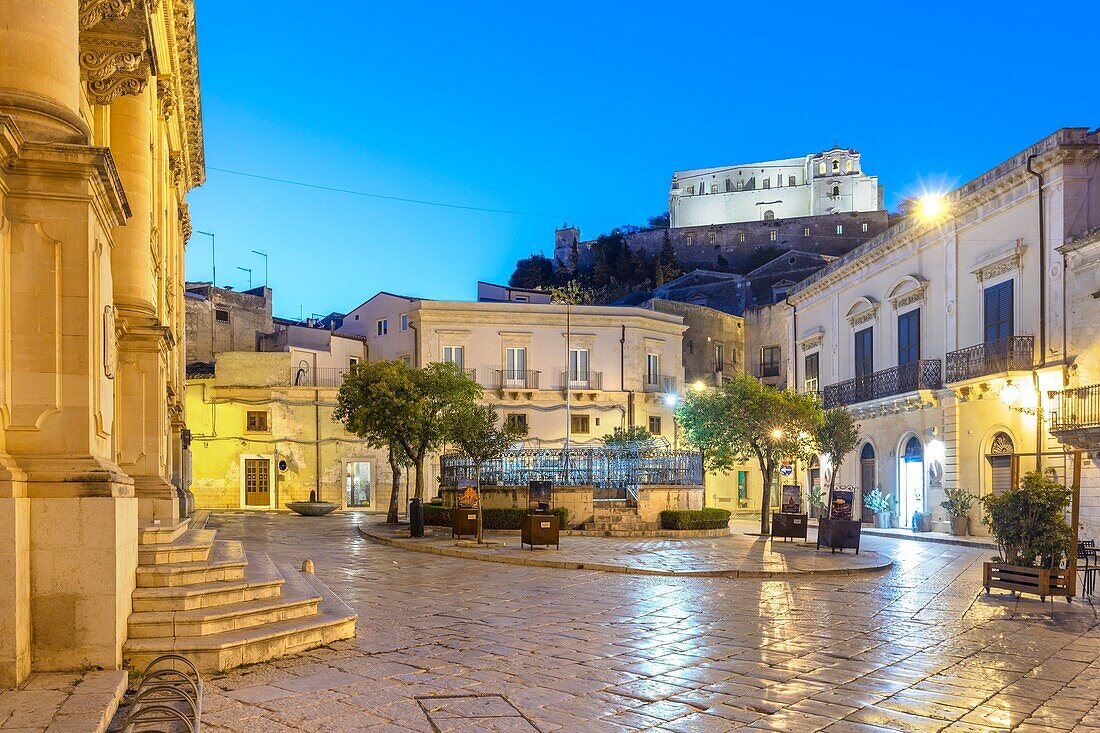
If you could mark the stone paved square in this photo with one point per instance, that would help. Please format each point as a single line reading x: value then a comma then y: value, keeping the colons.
x: 918, y: 647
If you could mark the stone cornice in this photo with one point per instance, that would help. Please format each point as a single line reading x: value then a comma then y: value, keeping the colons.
x: 998, y: 263
x: 186, y: 98
x: 62, y: 160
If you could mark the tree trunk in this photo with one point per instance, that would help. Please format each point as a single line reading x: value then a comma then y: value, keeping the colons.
x: 419, y: 491
x: 395, y: 488
x: 765, y: 502
x: 477, y: 486
x: 832, y: 485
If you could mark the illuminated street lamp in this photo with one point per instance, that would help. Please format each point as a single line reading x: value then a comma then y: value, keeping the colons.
x: 671, y: 400
x: 777, y: 434
x: 932, y: 207
x: 699, y: 386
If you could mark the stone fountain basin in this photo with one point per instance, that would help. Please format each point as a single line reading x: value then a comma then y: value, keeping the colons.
x: 312, y: 508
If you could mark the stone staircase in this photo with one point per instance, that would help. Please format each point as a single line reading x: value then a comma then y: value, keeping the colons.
x: 618, y: 519
x: 206, y: 599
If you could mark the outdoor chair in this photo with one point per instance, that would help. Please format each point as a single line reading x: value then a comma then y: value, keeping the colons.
x: 1086, y: 551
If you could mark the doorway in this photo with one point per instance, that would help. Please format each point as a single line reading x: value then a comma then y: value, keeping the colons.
x: 357, y: 484
x: 814, y: 476
x: 911, y: 480
x: 866, y: 480
x: 1001, y: 464
x: 257, y: 482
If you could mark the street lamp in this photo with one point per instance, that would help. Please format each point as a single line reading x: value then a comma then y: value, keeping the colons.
x: 264, y: 255
x: 671, y: 400
x: 213, y: 258
x: 249, y: 271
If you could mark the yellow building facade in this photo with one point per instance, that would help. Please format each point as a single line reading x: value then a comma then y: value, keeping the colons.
x: 100, y: 141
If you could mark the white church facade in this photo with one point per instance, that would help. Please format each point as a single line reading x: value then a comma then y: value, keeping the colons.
x: 829, y: 182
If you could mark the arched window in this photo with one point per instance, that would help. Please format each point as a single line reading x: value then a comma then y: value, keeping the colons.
x: 767, y: 183
x: 866, y: 478
x: 691, y: 190
x: 836, y: 192
x: 740, y: 185
x: 791, y: 181
x: 848, y: 166
x: 911, y: 479
x: 1000, y: 462
x: 769, y: 215
x: 821, y: 167
x: 836, y: 165
x: 714, y: 188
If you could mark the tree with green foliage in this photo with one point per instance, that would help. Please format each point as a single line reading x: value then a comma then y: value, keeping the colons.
x: 372, y: 394
x: 836, y: 436
x: 572, y: 293
x: 722, y: 265
x: 474, y: 431
x: 533, y: 273
x: 744, y: 420
x: 667, y: 265
x: 631, y: 436
x: 661, y: 221
x: 1029, y: 522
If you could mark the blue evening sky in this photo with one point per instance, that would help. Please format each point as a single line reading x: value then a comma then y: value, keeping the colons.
x: 581, y: 112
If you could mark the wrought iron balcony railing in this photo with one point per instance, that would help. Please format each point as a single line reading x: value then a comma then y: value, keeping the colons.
x: 1015, y: 353
x: 1076, y: 408
x: 322, y: 377
x: 923, y: 374
x: 516, y: 379
x: 580, y: 380
x: 659, y: 383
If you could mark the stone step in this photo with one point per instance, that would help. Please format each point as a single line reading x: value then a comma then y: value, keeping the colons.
x: 220, y: 651
x: 226, y: 562
x: 192, y: 546
x: 153, y: 534
x: 296, y: 600
x: 261, y: 580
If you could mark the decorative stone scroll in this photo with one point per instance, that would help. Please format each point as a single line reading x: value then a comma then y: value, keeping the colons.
x: 907, y: 291
x: 1000, y: 262
x: 94, y: 12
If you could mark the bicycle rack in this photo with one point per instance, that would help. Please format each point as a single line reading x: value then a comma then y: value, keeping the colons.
x: 168, y: 698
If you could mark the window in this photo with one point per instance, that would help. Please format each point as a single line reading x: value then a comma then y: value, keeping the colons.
x: 578, y: 367
x: 909, y: 337
x: 780, y: 295
x: 515, y: 367
x: 836, y: 165
x: 769, y: 361
x: 579, y: 424
x: 821, y: 167
x: 689, y: 347
x: 847, y: 166
x: 839, y: 228
x: 255, y: 421
x: 691, y: 190
x: 813, y: 372
x: 779, y: 180
x: 719, y: 356
x: 773, y: 235
x: 516, y: 420
x: 382, y: 326
x: 767, y: 183
x: 454, y: 355
x: 353, y: 361
x: 654, y: 424
x: 404, y: 321
x: 408, y: 360
x: 740, y: 185
x: 998, y: 316
x: 864, y: 226
x: 690, y: 239
x: 221, y: 315
x: 791, y: 181
x: 740, y: 236
x: 864, y: 352
x: 836, y: 192
x: 522, y: 299
x: 357, y: 316
x: 652, y: 369
x: 769, y: 215
x: 714, y: 188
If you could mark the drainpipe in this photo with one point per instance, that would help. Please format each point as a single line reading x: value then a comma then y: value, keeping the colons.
x: 622, y: 378
x: 794, y: 343
x: 1042, y: 317
x: 416, y: 345
x: 317, y: 442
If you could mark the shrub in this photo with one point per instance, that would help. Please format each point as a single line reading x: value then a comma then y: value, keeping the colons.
x: 958, y: 503
x: 1029, y: 522
x: 436, y: 516
x: 700, y: 519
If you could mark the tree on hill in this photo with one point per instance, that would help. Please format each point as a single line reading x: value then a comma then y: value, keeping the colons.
x: 533, y: 273
x: 661, y: 221
x: 667, y: 265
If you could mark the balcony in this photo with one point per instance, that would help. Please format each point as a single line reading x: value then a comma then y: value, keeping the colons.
x: 659, y: 383
x: 917, y: 375
x: 583, y: 381
x: 1012, y: 354
x: 515, y: 379
x: 322, y: 377
x: 1075, y: 419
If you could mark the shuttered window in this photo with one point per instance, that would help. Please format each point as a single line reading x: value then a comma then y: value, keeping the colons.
x: 865, y: 361
x: 909, y: 337
x: 998, y: 312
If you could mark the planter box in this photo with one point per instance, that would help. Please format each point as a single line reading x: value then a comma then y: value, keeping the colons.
x: 882, y: 520
x: 1042, y: 582
x: 838, y: 534
x: 540, y: 529
x: 463, y: 522
x: 789, y: 526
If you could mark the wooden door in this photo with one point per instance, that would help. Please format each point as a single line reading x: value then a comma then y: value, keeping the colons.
x: 257, y: 482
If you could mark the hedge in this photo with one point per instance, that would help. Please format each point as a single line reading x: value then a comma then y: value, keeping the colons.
x: 700, y: 519
x: 436, y: 516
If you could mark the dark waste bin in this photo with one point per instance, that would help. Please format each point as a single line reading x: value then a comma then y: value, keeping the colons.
x: 416, y: 517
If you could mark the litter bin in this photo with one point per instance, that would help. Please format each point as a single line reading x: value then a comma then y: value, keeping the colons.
x: 416, y: 517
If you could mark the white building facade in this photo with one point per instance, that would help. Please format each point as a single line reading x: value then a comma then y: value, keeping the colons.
x: 950, y: 340
x: 829, y: 182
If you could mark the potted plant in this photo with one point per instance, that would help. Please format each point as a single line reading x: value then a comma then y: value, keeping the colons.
x: 879, y: 503
x: 1029, y: 525
x: 958, y: 506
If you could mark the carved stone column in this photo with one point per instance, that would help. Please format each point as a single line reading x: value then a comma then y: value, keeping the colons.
x: 39, y: 73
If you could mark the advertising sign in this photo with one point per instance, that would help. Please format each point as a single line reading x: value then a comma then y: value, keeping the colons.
x: 467, y: 494
x: 792, y: 499
x: 841, y: 502
x: 538, y: 495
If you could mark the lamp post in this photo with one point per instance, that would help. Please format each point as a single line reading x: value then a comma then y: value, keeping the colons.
x: 671, y: 400
x: 264, y: 255
x: 213, y: 258
x: 249, y: 271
